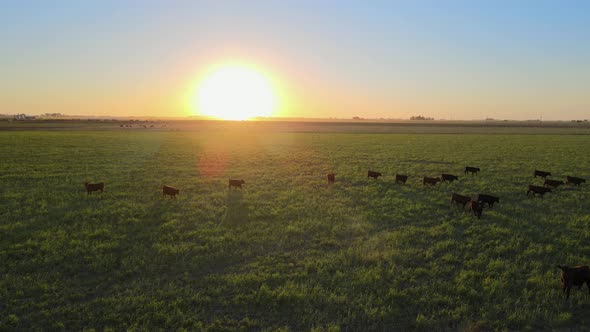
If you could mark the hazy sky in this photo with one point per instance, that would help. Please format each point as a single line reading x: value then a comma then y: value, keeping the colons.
x: 392, y: 59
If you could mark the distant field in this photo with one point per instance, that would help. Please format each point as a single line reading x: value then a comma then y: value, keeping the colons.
x: 325, y: 126
x: 288, y: 251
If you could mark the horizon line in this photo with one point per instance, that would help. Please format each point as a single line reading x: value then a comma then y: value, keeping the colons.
x: 264, y: 118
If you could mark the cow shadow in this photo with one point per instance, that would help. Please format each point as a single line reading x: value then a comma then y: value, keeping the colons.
x: 566, y: 188
x: 93, y: 199
x: 236, y: 209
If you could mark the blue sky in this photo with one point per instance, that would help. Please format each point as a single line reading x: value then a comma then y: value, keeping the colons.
x: 393, y: 59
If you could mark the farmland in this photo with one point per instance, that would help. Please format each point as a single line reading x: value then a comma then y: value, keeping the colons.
x: 288, y: 251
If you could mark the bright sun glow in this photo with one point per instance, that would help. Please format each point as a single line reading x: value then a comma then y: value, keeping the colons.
x: 235, y: 93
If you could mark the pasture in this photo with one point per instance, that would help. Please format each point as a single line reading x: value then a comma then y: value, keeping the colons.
x: 288, y: 251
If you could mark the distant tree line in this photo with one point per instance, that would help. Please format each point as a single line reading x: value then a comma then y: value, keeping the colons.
x: 420, y: 117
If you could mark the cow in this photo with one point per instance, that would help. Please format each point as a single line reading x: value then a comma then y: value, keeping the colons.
x: 552, y: 183
x: 542, y: 174
x: 236, y: 183
x: 460, y: 199
x: 476, y: 207
x: 90, y: 187
x: 331, y: 178
x: 538, y: 190
x: 574, y: 276
x: 449, y: 177
x: 489, y: 199
x: 374, y: 175
x: 472, y: 170
x: 170, y: 191
x: 575, y: 180
x: 401, y: 178
x: 431, y: 181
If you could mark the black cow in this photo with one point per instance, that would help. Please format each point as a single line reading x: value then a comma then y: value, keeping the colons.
x: 472, y: 170
x: 170, y: 191
x: 401, y: 178
x: 575, y: 180
x: 538, y: 190
x: 574, y: 276
x: 374, y: 175
x: 542, y: 174
x: 552, y: 183
x: 431, y: 181
x: 236, y: 183
x: 489, y: 199
x: 90, y: 187
x: 460, y: 199
x: 449, y: 177
x: 331, y: 178
x: 476, y: 207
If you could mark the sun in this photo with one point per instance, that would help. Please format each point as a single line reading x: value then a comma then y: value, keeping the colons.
x: 234, y: 92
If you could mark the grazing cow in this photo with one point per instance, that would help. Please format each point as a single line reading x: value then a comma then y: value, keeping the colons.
x: 331, y: 178
x: 90, y: 187
x: 472, y: 170
x: 552, y: 183
x: 538, y: 190
x: 449, y: 177
x: 542, y: 174
x: 489, y: 199
x: 401, y: 178
x: 575, y: 180
x: 431, y: 181
x: 476, y: 207
x: 170, y: 191
x: 574, y: 276
x: 460, y: 199
x: 374, y: 175
x: 236, y: 183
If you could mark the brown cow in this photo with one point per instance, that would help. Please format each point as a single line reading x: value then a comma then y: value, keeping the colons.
x: 575, y: 180
x: 460, y: 199
x: 236, y: 183
x: 431, y: 181
x: 552, y: 183
x: 90, y: 187
x: 538, y: 190
x: 542, y: 174
x: 331, y: 178
x: 489, y: 199
x: 574, y: 276
x: 476, y: 207
x: 401, y: 178
x: 449, y: 177
x: 170, y: 191
x: 472, y: 170
x: 374, y: 175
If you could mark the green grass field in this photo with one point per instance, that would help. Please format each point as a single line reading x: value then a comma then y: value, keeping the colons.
x: 289, y: 251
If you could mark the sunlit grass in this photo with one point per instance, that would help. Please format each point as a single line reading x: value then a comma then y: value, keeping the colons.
x: 288, y: 250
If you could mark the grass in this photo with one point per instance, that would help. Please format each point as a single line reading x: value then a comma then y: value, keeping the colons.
x: 288, y: 251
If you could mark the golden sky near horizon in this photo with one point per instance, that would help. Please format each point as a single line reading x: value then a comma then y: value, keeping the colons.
x: 320, y: 60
